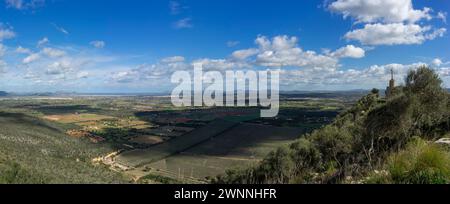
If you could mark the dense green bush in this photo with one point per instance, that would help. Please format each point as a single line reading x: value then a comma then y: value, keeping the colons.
x: 420, y: 163
x: 159, y: 179
x: 428, y: 99
x: 305, y: 155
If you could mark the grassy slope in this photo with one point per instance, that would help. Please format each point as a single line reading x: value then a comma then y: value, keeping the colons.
x: 36, y: 151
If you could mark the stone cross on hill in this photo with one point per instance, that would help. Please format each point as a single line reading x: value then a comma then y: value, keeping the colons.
x: 391, y: 86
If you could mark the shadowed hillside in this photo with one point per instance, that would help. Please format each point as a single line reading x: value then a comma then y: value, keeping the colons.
x: 36, y: 151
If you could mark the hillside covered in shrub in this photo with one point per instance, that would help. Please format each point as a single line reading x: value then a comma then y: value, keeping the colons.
x: 34, y: 151
x: 378, y: 140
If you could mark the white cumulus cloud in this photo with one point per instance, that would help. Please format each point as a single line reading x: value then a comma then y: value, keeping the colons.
x: 375, y: 76
x: 388, y: 11
x: 388, y: 22
x: 349, y: 51
x: 437, y: 62
x: 283, y: 51
x: 393, y: 34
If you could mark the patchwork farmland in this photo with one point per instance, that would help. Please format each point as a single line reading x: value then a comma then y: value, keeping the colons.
x: 238, y: 146
x: 144, y: 139
x: 137, y: 158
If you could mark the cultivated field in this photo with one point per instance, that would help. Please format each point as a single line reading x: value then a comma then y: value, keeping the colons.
x: 240, y: 145
x: 115, y: 139
x: 136, y: 158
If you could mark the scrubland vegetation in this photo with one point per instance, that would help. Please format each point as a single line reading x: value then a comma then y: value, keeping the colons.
x: 421, y: 162
x: 37, y: 151
x: 378, y: 140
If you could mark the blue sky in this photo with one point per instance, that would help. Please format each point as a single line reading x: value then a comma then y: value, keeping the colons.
x: 134, y: 46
